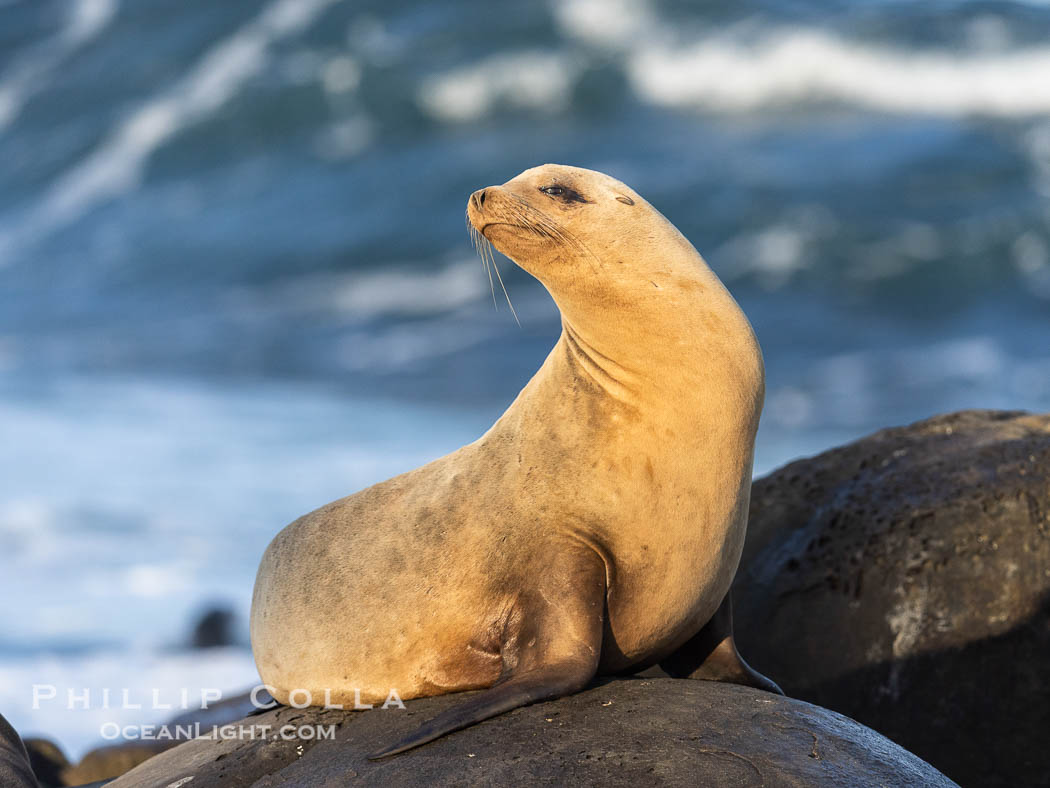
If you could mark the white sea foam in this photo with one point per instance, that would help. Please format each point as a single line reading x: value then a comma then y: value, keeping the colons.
x: 723, y: 73
x: 773, y: 255
x: 739, y: 71
x: 361, y: 296
x: 345, y: 138
x: 370, y: 37
x: 228, y: 671
x: 539, y: 81
x: 978, y: 359
x: 790, y: 407
x: 341, y: 74
x: 399, y: 346
x: 913, y: 244
x: 30, y: 70
x: 115, y: 166
x: 746, y: 69
x: 409, y: 292
x: 604, y: 23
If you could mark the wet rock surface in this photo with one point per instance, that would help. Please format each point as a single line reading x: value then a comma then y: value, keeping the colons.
x: 626, y: 732
x: 904, y: 580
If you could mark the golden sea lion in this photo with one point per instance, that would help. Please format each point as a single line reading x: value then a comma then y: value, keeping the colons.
x: 596, y: 527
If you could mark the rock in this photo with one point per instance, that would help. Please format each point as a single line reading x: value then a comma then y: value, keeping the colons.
x: 904, y: 580
x: 625, y: 732
x: 14, y: 761
x: 214, y: 628
x: 112, y: 760
x: 47, y: 761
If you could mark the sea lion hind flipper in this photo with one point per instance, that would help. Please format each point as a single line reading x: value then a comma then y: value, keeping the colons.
x: 551, y: 651
x: 711, y: 655
x: 545, y: 683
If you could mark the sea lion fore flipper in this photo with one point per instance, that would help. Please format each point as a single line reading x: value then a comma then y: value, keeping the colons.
x: 711, y: 655
x: 551, y: 649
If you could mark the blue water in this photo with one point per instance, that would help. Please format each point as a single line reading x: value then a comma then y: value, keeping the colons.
x: 235, y: 281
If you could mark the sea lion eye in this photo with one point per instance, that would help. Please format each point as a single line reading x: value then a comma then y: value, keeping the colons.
x: 564, y: 193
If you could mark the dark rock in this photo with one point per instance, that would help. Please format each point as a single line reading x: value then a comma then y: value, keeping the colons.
x: 15, y: 771
x: 214, y: 628
x: 627, y: 732
x: 47, y: 761
x: 224, y: 711
x: 904, y: 580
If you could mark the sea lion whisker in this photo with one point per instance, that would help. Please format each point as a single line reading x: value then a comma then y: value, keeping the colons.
x: 539, y: 222
x: 488, y: 262
x: 505, y: 293
x: 489, y: 259
x: 483, y: 247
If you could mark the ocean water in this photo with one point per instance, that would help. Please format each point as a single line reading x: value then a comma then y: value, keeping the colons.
x: 235, y: 281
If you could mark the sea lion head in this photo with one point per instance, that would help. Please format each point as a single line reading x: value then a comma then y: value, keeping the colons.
x: 571, y: 227
x: 624, y: 278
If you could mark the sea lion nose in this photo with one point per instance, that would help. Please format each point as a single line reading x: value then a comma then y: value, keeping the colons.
x: 478, y: 198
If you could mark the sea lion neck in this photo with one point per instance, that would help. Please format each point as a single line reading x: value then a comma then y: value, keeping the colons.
x: 619, y: 381
x: 674, y: 334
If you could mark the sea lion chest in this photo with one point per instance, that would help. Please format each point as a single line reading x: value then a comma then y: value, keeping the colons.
x: 643, y: 485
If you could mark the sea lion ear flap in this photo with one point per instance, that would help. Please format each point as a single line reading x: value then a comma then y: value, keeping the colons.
x: 625, y: 200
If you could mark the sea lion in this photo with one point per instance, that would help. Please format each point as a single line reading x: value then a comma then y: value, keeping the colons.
x: 596, y: 527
